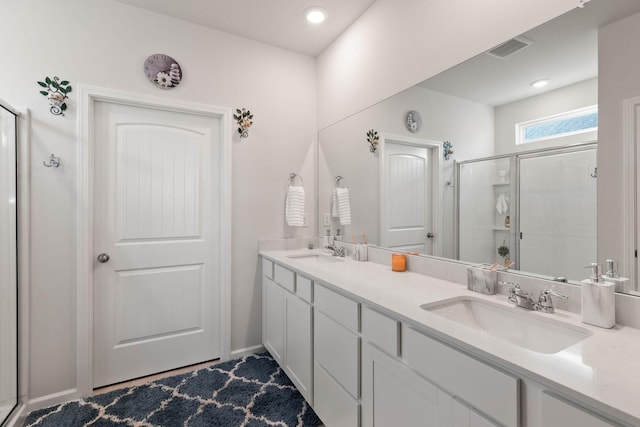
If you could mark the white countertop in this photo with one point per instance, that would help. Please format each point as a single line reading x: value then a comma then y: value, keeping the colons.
x: 603, y: 371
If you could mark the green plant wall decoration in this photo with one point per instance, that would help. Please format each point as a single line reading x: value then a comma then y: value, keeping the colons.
x: 56, y: 92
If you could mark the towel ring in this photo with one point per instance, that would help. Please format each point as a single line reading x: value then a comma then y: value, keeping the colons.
x: 292, y: 179
x: 341, y: 182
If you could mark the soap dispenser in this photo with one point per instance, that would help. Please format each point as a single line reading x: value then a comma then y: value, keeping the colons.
x: 611, y: 276
x: 326, y: 240
x: 598, y: 299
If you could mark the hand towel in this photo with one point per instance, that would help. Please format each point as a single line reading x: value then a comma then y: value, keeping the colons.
x: 502, y: 204
x: 334, y: 204
x: 294, y: 207
x: 344, y: 206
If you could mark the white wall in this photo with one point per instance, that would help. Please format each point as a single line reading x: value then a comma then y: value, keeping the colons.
x: 398, y: 43
x: 105, y: 43
x: 578, y: 95
x: 344, y: 150
x: 619, y: 68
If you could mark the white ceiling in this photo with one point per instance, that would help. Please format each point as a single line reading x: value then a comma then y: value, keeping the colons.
x: 276, y: 22
x: 564, y: 50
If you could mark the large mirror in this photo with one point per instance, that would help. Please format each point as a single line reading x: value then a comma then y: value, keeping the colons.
x: 519, y: 187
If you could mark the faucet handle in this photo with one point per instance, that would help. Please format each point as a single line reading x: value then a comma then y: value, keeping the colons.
x: 547, y: 292
x: 513, y: 290
x: 545, y: 303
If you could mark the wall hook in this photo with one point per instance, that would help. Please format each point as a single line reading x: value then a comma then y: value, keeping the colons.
x: 52, y: 162
x: 595, y: 173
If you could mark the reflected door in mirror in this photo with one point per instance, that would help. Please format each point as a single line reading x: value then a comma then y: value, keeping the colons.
x: 407, y: 213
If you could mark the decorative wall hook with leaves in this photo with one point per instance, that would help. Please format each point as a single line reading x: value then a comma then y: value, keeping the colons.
x: 373, y: 138
x: 447, y: 150
x: 56, y: 92
x: 244, y: 118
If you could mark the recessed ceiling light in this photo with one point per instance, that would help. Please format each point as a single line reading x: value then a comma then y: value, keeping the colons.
x: 540, y: 83
x: 316, y: 15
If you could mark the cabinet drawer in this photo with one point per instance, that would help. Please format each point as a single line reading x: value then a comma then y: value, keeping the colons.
x: 284, y: 277
x: 267, y: 268
x: 334, y: 406
x: 304, y: 288
x: 337, y: 350
x: 380, y: 330
x: 489, y: 390
x: 338, y: 307
x: 556, y: 413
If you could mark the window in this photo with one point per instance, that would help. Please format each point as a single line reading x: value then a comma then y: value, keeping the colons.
x: 557, y: 126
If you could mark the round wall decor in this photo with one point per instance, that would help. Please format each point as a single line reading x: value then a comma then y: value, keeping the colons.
x: 414, y: 121
x: 163, y: 71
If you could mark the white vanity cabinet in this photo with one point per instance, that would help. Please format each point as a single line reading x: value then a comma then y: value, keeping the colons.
x: 287, y: 323
x: 336, y: 358
x: 395, y: 393
x: 361, y: 364
x: 471, y: 382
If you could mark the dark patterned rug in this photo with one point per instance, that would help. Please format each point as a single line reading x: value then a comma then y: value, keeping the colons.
x: 252, y: 392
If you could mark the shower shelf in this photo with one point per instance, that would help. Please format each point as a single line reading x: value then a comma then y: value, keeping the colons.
x: 500, y: 229
x: 499, y: 184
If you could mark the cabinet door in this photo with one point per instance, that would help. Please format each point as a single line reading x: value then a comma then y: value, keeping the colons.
x: 298, y: 339
x: 273, y: 319
x: 454, y: 413
x: 337, y: 350
x: 394, y: 395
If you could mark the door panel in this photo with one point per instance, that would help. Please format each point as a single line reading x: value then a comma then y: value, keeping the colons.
x: 159, y: 172
x: 409, y: 194
x: 155, y: 214
x: 158, y: 302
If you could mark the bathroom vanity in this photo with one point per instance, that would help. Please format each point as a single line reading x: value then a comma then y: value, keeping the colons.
x: 367, y: 346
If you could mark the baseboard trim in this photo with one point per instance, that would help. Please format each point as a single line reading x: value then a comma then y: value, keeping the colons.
x: 17, y: 417
x: 52, y: 399
x: 236, y: 354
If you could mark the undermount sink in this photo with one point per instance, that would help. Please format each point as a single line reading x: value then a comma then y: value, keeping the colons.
x: 526, y: 329
x: 316, y: 258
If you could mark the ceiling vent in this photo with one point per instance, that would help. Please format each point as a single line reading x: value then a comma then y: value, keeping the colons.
x: 510, y: 47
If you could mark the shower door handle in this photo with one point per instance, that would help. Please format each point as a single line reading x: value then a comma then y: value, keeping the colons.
x: 103, y: 258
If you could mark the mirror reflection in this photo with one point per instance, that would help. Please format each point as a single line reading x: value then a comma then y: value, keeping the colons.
x: 520, y: 186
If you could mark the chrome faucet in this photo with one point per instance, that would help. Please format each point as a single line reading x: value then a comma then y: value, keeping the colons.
x: 522, y: 298
x: 519, y: 296
x: 335, y: 250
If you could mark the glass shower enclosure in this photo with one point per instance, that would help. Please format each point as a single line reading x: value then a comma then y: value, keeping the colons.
x: 534, y: 211
x: 8, y: 264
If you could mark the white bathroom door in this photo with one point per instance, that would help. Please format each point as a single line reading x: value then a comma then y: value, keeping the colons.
x: 407, y: 220
x: 156, y: 215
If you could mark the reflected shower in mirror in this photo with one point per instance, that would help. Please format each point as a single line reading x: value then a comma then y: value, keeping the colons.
x: 8, y: 264
x: 486, y: 107
x: 532, y: 211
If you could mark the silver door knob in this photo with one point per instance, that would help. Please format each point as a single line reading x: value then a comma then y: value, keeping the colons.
x: 103, y: 258
x: 430, y: 235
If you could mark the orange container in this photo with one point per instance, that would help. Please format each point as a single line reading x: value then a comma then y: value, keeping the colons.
x: 398, y: 262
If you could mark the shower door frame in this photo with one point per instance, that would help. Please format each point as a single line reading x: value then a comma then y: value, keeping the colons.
x: 513, y: 242
x: 514, y: 190
x: 23, y: 218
